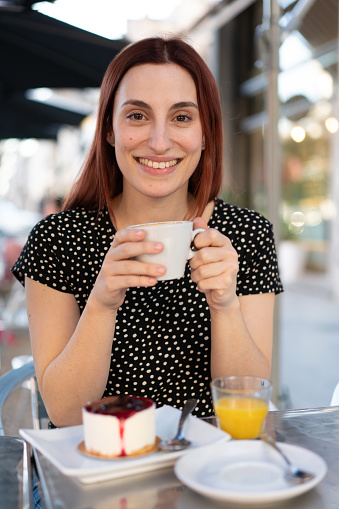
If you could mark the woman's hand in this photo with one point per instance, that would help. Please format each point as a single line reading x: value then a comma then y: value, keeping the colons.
x: 120, y: 270
x: 214, y: 266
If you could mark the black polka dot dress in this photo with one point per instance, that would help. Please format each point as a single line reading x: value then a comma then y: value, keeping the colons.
x: 161, y: 347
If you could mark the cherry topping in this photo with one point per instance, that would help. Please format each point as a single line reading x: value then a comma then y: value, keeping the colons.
x: 121, y: 406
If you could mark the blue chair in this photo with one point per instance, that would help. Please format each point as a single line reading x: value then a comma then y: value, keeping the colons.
x: 335, y: 396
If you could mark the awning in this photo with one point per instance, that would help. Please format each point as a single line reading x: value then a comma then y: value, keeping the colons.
x: 39, y: 51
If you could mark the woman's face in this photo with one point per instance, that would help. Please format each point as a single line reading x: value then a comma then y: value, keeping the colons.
x: 157, y: 130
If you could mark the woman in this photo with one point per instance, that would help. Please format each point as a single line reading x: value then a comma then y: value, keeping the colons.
x: 100, y: 323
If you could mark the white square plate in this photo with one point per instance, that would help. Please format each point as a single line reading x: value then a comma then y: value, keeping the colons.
x: 60, y: 447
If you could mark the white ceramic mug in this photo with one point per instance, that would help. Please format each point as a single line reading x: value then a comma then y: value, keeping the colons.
x: 176, y: 237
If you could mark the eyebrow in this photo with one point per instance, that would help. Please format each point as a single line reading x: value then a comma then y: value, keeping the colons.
x: 142, y: 104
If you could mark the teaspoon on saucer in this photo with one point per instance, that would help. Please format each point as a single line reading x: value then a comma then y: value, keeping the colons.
x: 179, y: 441
x: 293, y: 474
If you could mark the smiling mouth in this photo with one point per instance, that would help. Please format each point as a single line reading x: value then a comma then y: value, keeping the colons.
x: 156, y: 164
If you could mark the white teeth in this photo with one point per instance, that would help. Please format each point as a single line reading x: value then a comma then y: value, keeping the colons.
x: 155, y: 164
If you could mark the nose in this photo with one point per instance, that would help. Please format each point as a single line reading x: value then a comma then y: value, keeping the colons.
x: 159, y: 138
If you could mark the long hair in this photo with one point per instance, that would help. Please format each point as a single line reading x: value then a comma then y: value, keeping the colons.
x: 100, y: 179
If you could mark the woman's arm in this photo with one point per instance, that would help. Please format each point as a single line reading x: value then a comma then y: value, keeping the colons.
x: 242, y: 337
x: 72, y: 353
x: 241, y: 327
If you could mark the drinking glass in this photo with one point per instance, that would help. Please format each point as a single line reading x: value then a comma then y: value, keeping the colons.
x: 241, y: 404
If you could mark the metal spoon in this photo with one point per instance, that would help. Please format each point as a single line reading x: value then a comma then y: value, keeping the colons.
x: 293, y: 474
x: 179, y: 442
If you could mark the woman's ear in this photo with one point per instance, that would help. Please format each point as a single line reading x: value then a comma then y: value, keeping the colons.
x: 110, y: 139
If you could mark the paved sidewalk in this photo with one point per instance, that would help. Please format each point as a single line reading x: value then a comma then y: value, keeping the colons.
x: 309, y: 342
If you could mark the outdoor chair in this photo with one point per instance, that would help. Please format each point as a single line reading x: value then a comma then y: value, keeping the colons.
x: 12, y: 380
x: 335, y: 396
x: 16, y: 459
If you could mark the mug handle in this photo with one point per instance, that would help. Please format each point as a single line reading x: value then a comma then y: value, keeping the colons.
x: 194, y: 233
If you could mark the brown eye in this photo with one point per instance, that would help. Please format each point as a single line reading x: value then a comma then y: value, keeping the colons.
x: 182, y: 118
x: 136, y: 116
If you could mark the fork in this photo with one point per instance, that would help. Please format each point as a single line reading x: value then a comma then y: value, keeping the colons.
x: 293, y: 474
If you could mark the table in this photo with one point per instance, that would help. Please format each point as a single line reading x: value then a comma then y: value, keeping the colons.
x: 316, y: 429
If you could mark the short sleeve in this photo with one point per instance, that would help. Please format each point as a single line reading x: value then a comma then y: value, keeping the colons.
x: 259, y: 272
x: 251, y: 234
x: 43, y: 258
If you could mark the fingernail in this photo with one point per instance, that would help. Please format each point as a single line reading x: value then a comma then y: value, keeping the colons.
x: 161, y: 269
x: 139, y: 233
x: 157, y: 246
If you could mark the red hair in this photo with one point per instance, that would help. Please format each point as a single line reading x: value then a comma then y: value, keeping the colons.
x: 100, y: 179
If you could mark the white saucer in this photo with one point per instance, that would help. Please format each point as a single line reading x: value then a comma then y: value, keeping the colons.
x: 246, y: 471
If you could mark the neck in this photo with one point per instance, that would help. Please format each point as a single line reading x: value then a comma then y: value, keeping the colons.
x: 149, y: 210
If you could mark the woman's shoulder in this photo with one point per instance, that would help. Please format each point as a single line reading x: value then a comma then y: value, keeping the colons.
x: 73, y: 219
x: 233, y: 215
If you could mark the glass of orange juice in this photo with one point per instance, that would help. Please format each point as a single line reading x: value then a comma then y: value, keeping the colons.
x: 241, y: 404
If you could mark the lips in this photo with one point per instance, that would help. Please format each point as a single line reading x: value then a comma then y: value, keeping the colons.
x: 157, y: 164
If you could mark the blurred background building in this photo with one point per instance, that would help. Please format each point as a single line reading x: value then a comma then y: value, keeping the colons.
x: 276, y: 63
